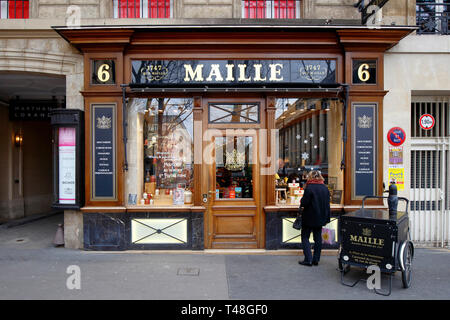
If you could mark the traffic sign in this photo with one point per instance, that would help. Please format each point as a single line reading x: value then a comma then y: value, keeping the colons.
x: 396, y: 136
x: 427, y: 121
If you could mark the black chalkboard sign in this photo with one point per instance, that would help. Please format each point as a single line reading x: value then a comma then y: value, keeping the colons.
x: 103, y: 176
x: 364, y: 149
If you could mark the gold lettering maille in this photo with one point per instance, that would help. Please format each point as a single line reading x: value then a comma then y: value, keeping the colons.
x: 191, y: 75
x: 367, y: 239
x: 215, y: 72
x: 275, y: 72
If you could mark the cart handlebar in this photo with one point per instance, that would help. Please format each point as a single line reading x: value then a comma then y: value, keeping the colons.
x: 381, y: 197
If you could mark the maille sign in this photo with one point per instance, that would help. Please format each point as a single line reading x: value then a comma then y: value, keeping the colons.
x: 233, y: 72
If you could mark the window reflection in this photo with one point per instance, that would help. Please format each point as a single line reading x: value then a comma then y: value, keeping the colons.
x: 168, y: 156
x: 309, y: 138
x: 234, y: 170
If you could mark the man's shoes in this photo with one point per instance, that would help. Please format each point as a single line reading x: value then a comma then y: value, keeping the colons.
x: 304, y: 263
x: 315, y: 263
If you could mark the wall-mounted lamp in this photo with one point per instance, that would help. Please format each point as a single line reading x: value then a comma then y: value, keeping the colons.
x: 325, y: 105
x: 18, y: 138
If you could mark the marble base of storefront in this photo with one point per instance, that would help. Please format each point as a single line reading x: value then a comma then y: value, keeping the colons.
x: 162, y: 230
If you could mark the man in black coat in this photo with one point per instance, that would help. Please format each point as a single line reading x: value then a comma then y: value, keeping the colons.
x: 315, y: 212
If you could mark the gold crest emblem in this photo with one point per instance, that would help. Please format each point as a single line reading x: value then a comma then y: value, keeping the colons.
x: 104, y: 123
x: 366, y: 232
x: 365, y: 122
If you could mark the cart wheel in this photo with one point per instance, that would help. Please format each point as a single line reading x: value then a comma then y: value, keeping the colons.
x: 342, y: 267
x: 407, y: 261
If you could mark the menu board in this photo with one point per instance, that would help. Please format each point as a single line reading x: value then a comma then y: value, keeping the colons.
x: 364, y: 150
x: 103, y: 153
x: 66, y: 152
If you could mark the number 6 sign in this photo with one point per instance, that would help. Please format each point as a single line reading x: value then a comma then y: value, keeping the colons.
x: 426, y: 121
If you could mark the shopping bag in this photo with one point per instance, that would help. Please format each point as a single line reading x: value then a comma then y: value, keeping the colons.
x: 328, y: 236
x: 297, y: 223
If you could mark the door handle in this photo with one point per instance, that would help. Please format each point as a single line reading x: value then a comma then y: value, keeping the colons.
x: 211, y: 192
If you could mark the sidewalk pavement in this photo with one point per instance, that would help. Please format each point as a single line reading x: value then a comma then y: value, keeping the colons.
x: 32, y: 268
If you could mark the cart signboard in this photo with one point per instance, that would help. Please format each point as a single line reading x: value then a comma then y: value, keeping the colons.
x: 367, y: 244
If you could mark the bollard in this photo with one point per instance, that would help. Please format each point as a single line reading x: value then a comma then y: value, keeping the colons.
x: 59, y: 236
x: 392, y: 199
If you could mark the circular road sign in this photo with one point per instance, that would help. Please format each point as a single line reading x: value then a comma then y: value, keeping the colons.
x: 396, y: 136
x: 427, y: 121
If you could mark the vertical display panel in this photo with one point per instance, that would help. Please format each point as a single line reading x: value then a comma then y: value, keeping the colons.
x: 67, y: 165
x: 364, y: 149
x: 103, y: 158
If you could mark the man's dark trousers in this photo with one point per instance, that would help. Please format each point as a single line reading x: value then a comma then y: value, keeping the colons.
x: 317, y: 236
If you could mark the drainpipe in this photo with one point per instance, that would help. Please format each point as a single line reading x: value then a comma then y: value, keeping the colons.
x: 344, y: 115
x: 125, y: 124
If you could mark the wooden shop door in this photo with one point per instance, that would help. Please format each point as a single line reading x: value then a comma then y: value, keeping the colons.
x: 233, y: 181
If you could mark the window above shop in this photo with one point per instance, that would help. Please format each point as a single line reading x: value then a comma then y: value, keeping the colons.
x: 143, y: 8
x: 14, y: 9
x: 271, y: 9
x: 432, y: 16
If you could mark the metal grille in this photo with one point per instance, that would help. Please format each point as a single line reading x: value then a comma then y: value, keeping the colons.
x: 426, y: 169
x: 440, y: 110
x: 271, y: 9
x: 14, y: 9
x: 432, y: 16
x: 430, y: 173
x: 143, y: 8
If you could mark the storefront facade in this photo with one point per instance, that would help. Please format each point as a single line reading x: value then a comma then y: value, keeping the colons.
x: 200, y: 138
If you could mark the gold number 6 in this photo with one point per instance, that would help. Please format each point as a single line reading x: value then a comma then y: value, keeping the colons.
x: 363, y: 73
x: 103, y: 73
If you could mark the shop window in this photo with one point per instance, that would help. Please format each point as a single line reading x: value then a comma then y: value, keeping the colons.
x: 234, y: 113
x: 14, y: 9
x: 143, y: 8
x: 310, y: 138
x: 161, y: 151
x: 271, y: 9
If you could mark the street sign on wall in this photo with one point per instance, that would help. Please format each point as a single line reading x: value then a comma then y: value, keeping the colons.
x: 427, y: 121
x: 396, y: 136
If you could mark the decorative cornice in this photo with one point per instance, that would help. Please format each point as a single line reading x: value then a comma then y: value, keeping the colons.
x: 371, y: 39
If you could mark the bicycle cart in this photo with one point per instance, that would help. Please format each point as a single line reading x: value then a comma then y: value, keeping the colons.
x: 376, y: 238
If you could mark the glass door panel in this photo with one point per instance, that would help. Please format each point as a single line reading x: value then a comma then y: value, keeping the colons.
x: 234, y: 167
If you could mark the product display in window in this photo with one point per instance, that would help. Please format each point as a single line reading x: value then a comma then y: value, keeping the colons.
x: 234, y: 169
x: 168, y: 145
x: 310, y: 138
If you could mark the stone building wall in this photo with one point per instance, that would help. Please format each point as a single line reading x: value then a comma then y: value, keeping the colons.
x: 400, y: 12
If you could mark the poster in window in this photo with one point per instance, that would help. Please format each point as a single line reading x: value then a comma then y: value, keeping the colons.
x: 67, y: 151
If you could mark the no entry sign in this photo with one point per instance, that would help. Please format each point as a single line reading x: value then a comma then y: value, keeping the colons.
x: 396, y: 136
x: 427, y: 121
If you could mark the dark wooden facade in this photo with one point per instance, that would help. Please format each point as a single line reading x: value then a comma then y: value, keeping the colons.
x: 240, y: 224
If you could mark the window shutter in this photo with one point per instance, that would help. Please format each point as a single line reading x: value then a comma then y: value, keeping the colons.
x: 129, y: 8
x: 284, y: 9
x: 255, y: 9
x: 18, y: 9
